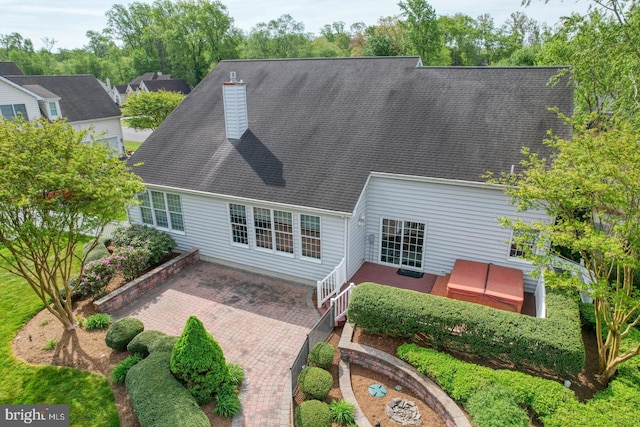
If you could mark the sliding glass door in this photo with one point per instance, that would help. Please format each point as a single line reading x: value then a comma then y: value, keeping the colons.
x: 402, y: 243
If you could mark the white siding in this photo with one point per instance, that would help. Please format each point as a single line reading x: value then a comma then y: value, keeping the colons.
x: 106, y: 128
x: 12, y: 95
x: 358, y: 243
x: 461, y: 221
x: 207, y: 227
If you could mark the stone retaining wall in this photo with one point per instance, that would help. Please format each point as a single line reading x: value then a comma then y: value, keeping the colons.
x: 405, y: 374
x: 150, y: 280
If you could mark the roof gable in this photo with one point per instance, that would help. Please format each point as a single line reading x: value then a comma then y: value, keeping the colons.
x: 318, y: 127
x: 81, y: 96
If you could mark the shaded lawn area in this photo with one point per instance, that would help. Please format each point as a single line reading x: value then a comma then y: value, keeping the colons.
x: 131, y: 145
x: 89, y: 396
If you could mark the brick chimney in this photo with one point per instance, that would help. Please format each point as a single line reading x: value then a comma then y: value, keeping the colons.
x: 234, y: 95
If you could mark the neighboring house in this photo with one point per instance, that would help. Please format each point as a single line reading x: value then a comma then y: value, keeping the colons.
x: 10, y: 69
x: 292, y: 166
x: 80, y: 99
x: 150, y: 82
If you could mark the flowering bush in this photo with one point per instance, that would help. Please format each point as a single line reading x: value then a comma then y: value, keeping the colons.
x: 95, y: 277
x: 129, y: 261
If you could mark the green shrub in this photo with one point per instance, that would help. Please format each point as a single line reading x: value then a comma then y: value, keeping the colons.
x: 315, y: 382
x: 313, y: 413
x: 158, y: 243
x: 119, y: 373
x: 158, y: 398
x: 554, y: 343
x: 140, y: 343
x: 462, y: 381
x: 236, y: 374
x: 495, y: 407
x: 163, y: 344
x: 343, y: 412
x: 130, y: 262
x: 97, y: 321
x: 94, y: 278
x: 50, y: 345
x: 197, y: 361
x: 122, y: 332
x: 227, y: 402
x: 321, y: 355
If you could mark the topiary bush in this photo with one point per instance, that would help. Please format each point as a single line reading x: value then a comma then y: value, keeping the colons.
x: 158, y: 243
x: 197, y: 361
x: 122, y: 332
x: 321, y: 355
x: 158, y: 398
x: 97, y: 321
x: 141, y: 343
x: 315, y: 382
x: 313, y: 413
x: 119, y: 373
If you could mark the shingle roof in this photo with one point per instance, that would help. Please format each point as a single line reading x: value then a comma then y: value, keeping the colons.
x: 318, y: 127
x: 9, y: 69
x: 81, y: 96
x: 172, y: 85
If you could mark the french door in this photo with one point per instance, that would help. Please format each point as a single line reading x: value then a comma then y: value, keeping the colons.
x: 402, y: 243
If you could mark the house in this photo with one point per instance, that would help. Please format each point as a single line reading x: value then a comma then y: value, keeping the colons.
x: 80, y: 99
x: 305, y: 167
x: 150, y: 82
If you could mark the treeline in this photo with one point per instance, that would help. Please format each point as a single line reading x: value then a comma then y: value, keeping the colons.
x: 186, y: 38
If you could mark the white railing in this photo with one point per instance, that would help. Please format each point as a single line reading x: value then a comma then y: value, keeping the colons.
x: 341, y: 302
x: 541, y: 297
x: 330, y: 285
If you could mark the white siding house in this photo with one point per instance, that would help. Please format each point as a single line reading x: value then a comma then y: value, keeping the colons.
x: 374, y: 160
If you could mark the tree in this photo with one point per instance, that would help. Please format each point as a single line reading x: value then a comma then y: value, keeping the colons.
x: 146, y: 110
x: 279, y: 38
x: 590, y: 186
x: 423, y: 33
x: 55, y: 191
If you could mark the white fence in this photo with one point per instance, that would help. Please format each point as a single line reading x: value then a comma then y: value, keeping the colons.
x: 341, y: 302
x: 330, y: 285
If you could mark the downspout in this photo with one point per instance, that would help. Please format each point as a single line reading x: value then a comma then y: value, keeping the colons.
x: 346, y: 249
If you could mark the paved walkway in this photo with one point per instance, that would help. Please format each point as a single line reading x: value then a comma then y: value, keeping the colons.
x: 259, y: 322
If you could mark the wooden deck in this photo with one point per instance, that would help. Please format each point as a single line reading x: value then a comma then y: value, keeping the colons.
x: 429, y: 283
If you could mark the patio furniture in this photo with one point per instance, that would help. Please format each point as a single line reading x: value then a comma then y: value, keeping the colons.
x: 487, y: 284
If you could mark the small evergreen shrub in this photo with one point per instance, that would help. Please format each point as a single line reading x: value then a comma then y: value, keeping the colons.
x: 343, y: 412
x: 315, y: 382
x: 94, y: 279
x: 197, y: 361
x: 141, y: 343
x: 119, y: 373
x: 495, y: 407
x: 158, y: 243
x: 236, y: 374
x: 97, y: 321
x: 99, y: 252
x: 321, y: 355
x: 122, y: 332
x: 130, y: 262
x: 163, y: 344
x: 227, y: 402
x: 313, y: 413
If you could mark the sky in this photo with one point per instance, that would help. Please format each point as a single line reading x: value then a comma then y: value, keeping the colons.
x: 67, y: 21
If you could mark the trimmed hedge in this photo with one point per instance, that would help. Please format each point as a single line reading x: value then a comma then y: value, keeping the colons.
x: 554, y: 343
x: 158, y: 399
x: 119, y: 373
x: 313, y: 413
x: 122, y: 332
x: 463, y: 381
x: 141, y: 343
x: 321, y: 355
x: 315, y: 382
x: 495, y: 406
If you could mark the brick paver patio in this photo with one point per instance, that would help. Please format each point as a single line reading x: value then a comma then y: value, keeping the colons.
x: 259, y: 322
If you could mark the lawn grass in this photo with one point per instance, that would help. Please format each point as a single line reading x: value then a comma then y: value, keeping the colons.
x: 90, y: 399
x: 131, y: 145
